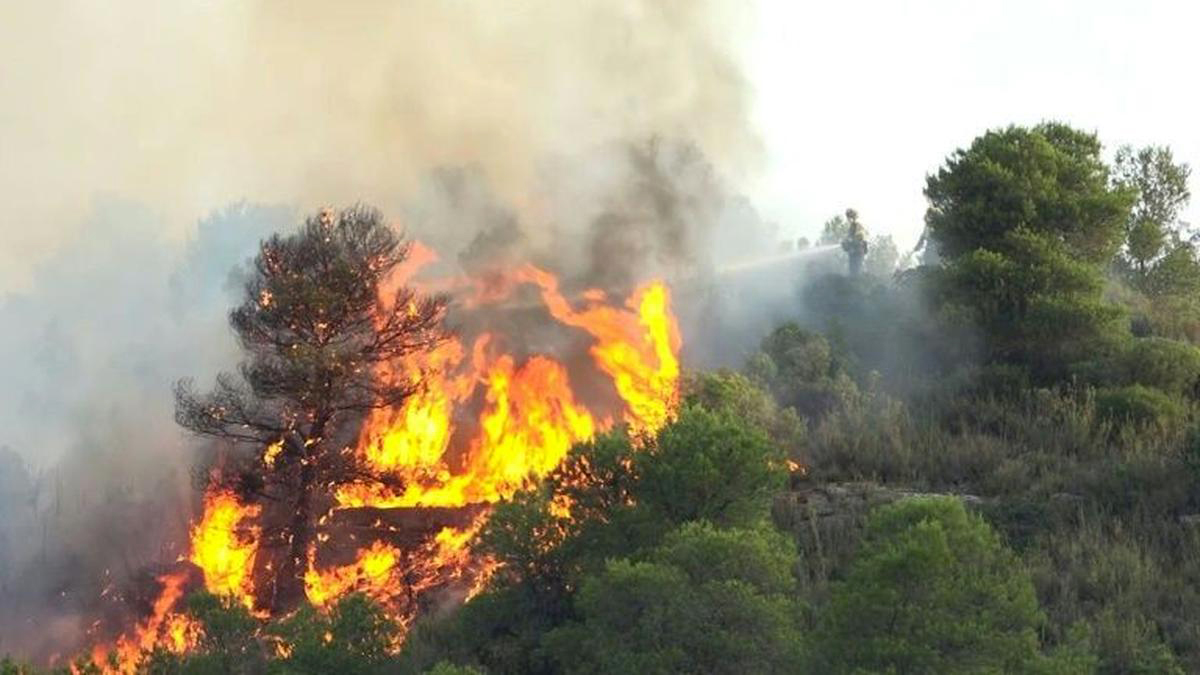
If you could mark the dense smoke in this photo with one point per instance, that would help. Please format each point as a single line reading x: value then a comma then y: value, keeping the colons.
x: 603, y: 140
x: 97, y: 484
x: 184, y: 106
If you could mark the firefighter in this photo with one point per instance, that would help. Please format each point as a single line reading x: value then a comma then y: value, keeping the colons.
x: 855, y: 243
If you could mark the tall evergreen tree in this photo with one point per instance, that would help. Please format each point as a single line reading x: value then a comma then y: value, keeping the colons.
x: 315, y: 330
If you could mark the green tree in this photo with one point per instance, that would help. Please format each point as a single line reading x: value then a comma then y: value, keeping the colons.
x: 707, y: 600
x: 1049, y: 180
x: 622, y: 503
x: 737, y: 395
x: 708, y: 466
x: 18, y: 500
x: 1027, y: 221
x: 1162, y: 192
x: 314, y: 329
x: 705, y: 465
x: 447, y: 668
x: 228, y: 642
x: 932, y: 590
x: 355, y: 637
x: 802, y: 370
x: 1139, y: 406
x: 1167, y: 365
x: 10, y: 667
x: 1037, y: 305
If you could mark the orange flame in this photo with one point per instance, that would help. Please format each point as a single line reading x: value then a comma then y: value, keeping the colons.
x: 530, y: 419
x: 479, y: 426
x: 638, y: 351
x: 164, y: 628
x: 224, y: 548
x: 372, y: 573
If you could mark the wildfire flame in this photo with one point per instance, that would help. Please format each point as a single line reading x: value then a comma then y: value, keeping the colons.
x: 164, y: 628
x: 481, y: 425
x: 531, y: 418
x: 641, y: 358
x: 371, y: 573
x: 225, y: 551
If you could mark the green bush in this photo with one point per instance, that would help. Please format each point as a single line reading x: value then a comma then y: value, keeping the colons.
x: 933, y: 591
x: 802, y: 370
x: 737, y: 395
x: 1171, y: 366
x: 1107, y: 578
x: 708, y: 466
x: 447, y: 668
x: 706, y: 601
x: 1158, y: 363
x: 11, y: 667
x: 1138, y: 406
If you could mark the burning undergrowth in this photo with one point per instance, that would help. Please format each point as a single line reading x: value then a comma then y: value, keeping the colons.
x: 532, y: 367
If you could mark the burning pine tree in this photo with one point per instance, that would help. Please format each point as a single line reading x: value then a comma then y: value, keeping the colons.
x: 358, y: 425
x: 316, y: 331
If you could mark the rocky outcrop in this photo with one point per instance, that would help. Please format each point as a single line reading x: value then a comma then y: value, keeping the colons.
x: 827, y: 520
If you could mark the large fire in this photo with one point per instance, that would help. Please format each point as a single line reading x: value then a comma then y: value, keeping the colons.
x: 481, y: 425
x: 223, y: 546
x: 164, y: 629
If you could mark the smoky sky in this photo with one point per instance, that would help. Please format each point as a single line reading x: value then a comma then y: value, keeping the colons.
x: 186, y: 106
x: 95, y: 483
x: 146, y: 147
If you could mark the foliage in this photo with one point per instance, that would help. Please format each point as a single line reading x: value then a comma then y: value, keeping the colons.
x: 1004, y: 373
x: 882, y: 257
x: 1108, y: 577
x: 707, y: 600
x: 834, y: 230
x: 1162, y: 192
x: 447, y: 668
x: 674, y: 528
x: 1039, y: 306
x: 313, y: 328
x: 1167, y: 365
x: 354, y: 636
x: 228, y: 643
x: 708, y: 466
x: 1138, y: 405
x: 738, y: 396
x: 1027, y: 220
x: 932, y: 590
x: 1048, y: 180
x: 888, y: 327
x: 802, y: 370
x: 10, y: 667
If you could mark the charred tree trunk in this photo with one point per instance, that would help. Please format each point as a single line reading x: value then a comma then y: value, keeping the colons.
x: 298, y: 535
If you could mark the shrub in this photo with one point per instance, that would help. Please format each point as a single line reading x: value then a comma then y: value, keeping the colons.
x: 932, y: 590
x: 1138, y: 406
x: 708, y: 466
x: 706, y: 601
